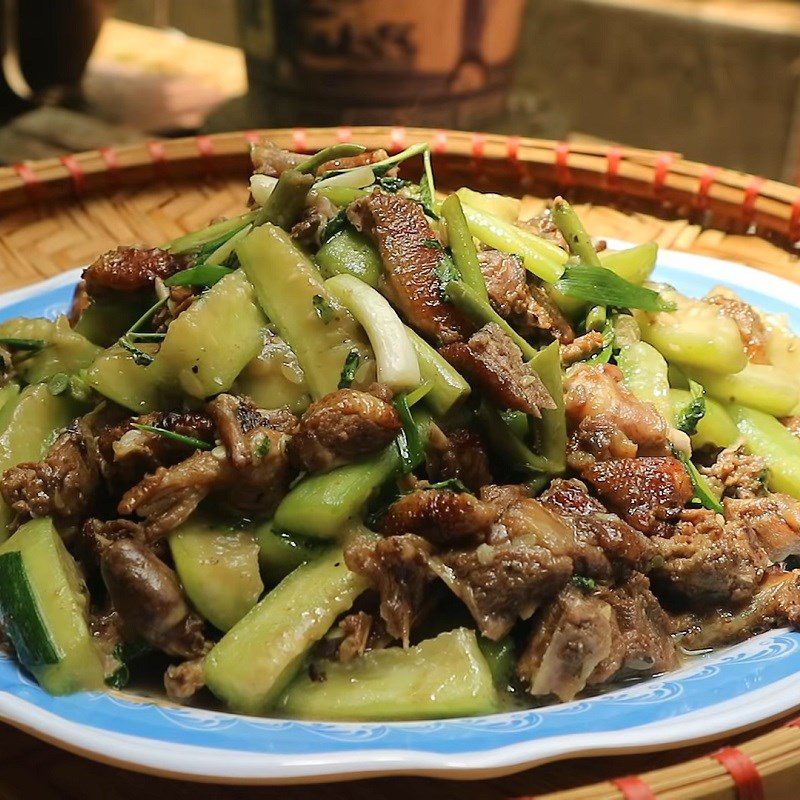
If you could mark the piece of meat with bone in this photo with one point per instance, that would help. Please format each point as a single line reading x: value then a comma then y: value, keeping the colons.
x: 649, y: 493
x: 404, y: 235
x: 348, y: 162
x: 736, y: 474
x: 145, y: 592
x: 269, y: 159
x: 63, y: 485
x: 606, y: 420
x: 441, y: 517
x: 773, y: 520
x: 707, y: 563
x: 542, y: 225
x: 341, y: 427
x: 751, y: 327
x: 608, y: 547
x: 494, y: 363
x: 397, y: 567
x: 131, y: 269
x: 458, y: 454
x: 775, y: 603
x: 183, y: 681
x: 528, y: 307
x: 317, y: 213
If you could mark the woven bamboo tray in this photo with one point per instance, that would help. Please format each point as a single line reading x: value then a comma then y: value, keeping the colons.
x: 60, y: 213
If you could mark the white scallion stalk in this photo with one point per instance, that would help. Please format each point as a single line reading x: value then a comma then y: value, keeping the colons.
x: 261, y: 187
x: 356, y: 178
x: 221, y: 254
x: 394, y: 355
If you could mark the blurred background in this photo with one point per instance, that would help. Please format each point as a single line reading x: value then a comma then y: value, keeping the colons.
x: 716, y: 80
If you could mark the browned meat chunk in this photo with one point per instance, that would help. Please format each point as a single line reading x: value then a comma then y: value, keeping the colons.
x: 751, y: 328
x: 180, y: 298
x: 341, y: 427
x: 573, y: 635
x: 773, y: 520
x: 130, y: 269
x: 403, y: 234
x: 63, y: 485
x: 458, y: 454
x: 581, y: 348
x: 146, y: 594
x: 526, y: 306
x: 80, y: 302
x: 649, y: 493
x: 398, y: 568
x: 793, y: 424
x: 605, y: 420
x: 607, y: 547
x: 775, y: 603
x: 318, y: 212
x: 356, y: 629
x: 705, y: 564
x: 543, y: 225
x: 736, y: 474
x: 441, y: 517
x: 495, y: 364
x: 183, y: 681
x: 269, y: 159
x: 361, y: 160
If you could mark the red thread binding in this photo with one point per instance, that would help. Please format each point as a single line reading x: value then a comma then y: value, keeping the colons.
x: 159, y: 157
x: 663, y: 166
x: 794, y: 723
x: 397, y: 139
x: 251, y: 137
x: 563, y: 175
x: 633, y: 788
x: 707, y: 177
x: 76, y: 173
x: 109, y: 156
x: 440, y: 142
x: 299, y: 140
x: 751, y: 193
x: 512, y: 149
x: 33, y: 186
x: 613, y: 159
x: 344, y: 134
x: 744, y: 772
x: 478, y: 145
x: 205, y: 145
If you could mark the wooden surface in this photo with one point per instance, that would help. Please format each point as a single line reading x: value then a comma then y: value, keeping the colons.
x: 148, y: 195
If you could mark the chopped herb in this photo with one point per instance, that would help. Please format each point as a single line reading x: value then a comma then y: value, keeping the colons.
x: 58, y: 384
x: 409, y: 442
x: 446, y: 272
x: 323, y: 308
x: 702, y: 491
x: 391, y: 184
x: 693, y: 411
x: 603, y: 287
x: 33, y: 345
x: 349, y: 369
x: 119, y: 678
x: 79, y: 387
x: 450, y: 485
x: 263, y: 447
x: 338, y: 223
x: 140, y: 358
x: 414, y: 396
x: 200, y: 275
x: 189, y: 441
x: 434, y: 244
x: 427, y: 192
x: 584, y: 584
x: 150, y: 337
x: 379, y: 504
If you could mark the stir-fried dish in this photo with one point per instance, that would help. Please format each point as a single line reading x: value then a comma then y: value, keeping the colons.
x: 373, y: 452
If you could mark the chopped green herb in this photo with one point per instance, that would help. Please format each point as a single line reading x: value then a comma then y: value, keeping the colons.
x: 263, y: 447
x: 702, y: 491
x: 323, y: 308
x: 596, y: 318
x: 58, y: 384
x: 584, y: 584
x: 149, y: 337
x: 33, y: 345
x: 427, y: 192
x: 348, y: 375
x: 603, y: 287
x: 434, y: 244
x: 200, y: 275
x: 446, y: 272
x: 409, y: 442
x: 338, y: 223
x: 449, y: 485
x: 189, y: 441
x: 140, y: 358
x: 391, y: 184
x: 693, y: 411
x: 79, y: 387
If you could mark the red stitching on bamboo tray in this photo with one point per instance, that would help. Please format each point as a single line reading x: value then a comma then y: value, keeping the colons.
x: 344, y: 135
x: 563, y: 175
x: 109, y: 156
x: 158, y: 155
x: 751, y: 193
x: 663, y: 166
x: 439, y: 142
x: 76, y: 173
x: 251, y: 137
x: 205, y: 146
x: 29, y: 178
x: 397, y: 139
x: 707, y: 177
x: 633, y: 788
x: 613, y: 159
x: 794, y: 234
x: 478, y: 145
x: 743, y: 771
x: 299, y: 140
x: 512, y: 149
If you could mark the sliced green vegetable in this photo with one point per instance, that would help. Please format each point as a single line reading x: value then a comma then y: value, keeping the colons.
x: 715, y: 428
x: 8, y: 397
x: 514, y: 452
x: 600, y: 285
x: 501, y: 658
x: 116, y: 375
x: 764, y: 436
x: 447, y: 386
x: 189, y: 441
x: 442, y: 677
x: 427, y: 189
x: 553, y: 424
x: 496, y: 205
x: 688, y: 418
x: 349, y: 369
x: 410, y: 445
x: 350, y: 253
x: 103, y: 322
x: 644, y: 373
x: 44, y: 608
x: 280, y: 552
x: 575, y: 235
x: 286, y: 283
x: 461, y: 243
x: 341, y: 196
x: 395, y: 358
x: 341, y: 150
x: 286, y: 201
x: 702, y: 491
x: 218, y: 568
x: 635, y: 265
x: 218, y: 232
x: 252, y: 664
x: 202, y: 275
